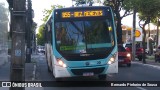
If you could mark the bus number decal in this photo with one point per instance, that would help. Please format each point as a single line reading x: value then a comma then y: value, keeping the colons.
x: 66, y: 14
x: 98, y: 62
x: 78, y: 14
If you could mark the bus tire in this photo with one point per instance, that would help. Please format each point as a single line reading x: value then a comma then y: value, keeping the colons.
x: 102, y: 77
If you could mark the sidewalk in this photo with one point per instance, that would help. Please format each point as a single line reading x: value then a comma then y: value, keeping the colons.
x: 30, y: 70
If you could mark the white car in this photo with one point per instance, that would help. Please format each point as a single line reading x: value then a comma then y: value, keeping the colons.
x: 41, y: 49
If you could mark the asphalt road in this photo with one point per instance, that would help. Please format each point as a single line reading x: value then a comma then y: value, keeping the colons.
x: 137, y: 72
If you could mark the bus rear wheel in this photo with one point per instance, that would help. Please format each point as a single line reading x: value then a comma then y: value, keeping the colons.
x: 102, y: 77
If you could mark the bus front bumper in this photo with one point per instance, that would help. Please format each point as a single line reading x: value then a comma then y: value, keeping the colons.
x: 61, y: 72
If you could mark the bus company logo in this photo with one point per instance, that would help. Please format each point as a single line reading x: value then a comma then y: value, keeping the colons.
x: 87, y: 63
x: 98, y: 62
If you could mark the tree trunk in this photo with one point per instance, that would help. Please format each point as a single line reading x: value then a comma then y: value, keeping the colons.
x: 150, y: 46
x: 144, y: 44
x: 157, y: 36
x: 119, y: 28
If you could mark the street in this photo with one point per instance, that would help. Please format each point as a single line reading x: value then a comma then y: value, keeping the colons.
x: 137, y: 72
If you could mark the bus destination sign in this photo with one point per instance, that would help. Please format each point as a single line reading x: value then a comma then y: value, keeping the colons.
x: 78, y: 14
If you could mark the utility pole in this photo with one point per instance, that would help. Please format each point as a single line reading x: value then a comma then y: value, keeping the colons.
x: 28, y: 30
x: 18, y: 17
x: 133, y: 34
x: 157, y: 36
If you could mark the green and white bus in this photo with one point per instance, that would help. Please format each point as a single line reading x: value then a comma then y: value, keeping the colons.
x: 81, y: 41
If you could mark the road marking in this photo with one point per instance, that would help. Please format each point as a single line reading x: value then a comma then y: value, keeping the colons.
x: 154, y: 66
x: 141, y: 88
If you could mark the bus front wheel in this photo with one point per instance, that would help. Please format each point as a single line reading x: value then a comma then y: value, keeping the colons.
x: 102, y: 77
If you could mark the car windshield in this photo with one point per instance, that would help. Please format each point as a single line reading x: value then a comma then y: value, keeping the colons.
x: 121, y: 48
x: 128, y: 45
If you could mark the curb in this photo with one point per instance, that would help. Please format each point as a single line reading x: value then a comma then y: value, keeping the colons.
x: 34, y: 72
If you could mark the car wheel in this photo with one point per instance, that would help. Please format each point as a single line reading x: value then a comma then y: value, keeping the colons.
x: 129, y: 65
x: 102, y: 77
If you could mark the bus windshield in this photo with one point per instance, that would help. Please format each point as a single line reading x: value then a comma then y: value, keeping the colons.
x: 87, y: 36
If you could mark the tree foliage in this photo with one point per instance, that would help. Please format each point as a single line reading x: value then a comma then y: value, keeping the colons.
x: 40, y: 35
x: 149, y: 10
x: 41, y: 30
x: 47, y: 13
x: 80, y: 2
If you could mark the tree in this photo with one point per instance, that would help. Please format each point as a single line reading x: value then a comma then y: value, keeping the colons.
x: 148, y: 11
x: 47, y: 13
x: 41, y: 30
x: 40, y: 35
x: 81, y: 2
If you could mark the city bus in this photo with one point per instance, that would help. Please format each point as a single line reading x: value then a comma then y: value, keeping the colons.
x: 81, y: 41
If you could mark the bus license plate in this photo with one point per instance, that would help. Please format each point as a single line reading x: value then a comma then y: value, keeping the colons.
x: 88, y: 74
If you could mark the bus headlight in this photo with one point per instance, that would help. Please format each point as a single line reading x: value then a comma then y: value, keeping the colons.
x: 112, y: 59
x: 61, y: 63
x: 128, y: 55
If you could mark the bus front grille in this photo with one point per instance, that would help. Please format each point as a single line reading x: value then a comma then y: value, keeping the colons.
x: 81, y: 71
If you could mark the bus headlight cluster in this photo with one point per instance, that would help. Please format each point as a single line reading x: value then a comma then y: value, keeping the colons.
x: 112, y: 59
x: 61, y: 63
x: 128, y: 55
